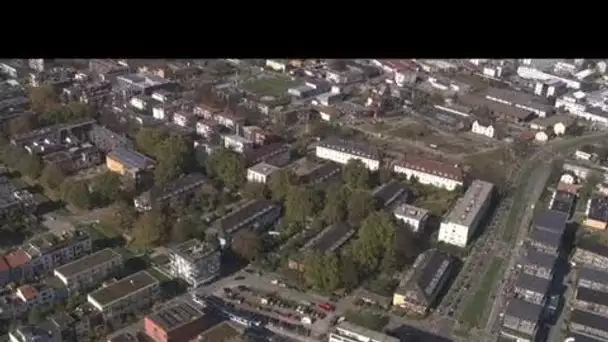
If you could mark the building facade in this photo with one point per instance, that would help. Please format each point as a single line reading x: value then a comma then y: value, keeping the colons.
x: 194, y: 261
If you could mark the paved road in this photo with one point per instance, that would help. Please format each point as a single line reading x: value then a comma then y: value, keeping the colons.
x: 536, y: 183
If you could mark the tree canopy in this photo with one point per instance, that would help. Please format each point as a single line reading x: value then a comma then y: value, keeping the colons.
x: 322, y: 272
x: 52, y: 176
x: 107, y: 187
x: 247, y: 244
x: 77, y: 194
x: 360, y: 204
x: 356, y: 175
x: 149, y: 230
x: 335, y: 209
x: 375, y: 237
x: 173, y: 156
x: 227, y: 166
x: 301, y: 203
x: 280, y: 183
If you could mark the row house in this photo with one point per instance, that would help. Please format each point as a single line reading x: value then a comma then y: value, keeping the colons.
x: 591, y: 254
x: 90, y: 270
x: 431, y: 172
x: 537, y: 263
x: 592, y: 301
x: 593, y: 279
x: 51, y: 250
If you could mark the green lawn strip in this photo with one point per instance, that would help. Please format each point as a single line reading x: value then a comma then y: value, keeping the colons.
x: 518, y: 202
x: 158, y: 274
x: 474, y: 311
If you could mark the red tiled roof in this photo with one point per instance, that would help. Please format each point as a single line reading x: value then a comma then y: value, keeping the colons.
x: 4, y: 266
x: 28, y: 291
x: 434, y: 167
x: 17, y: 258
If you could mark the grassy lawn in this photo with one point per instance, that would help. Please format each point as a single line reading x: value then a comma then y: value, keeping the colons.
x: 273, y: 86
x: 473, y: 314
x: 414, y: 131
x: 437, y: 201
x: 367, y: 319
x: 518, y: 202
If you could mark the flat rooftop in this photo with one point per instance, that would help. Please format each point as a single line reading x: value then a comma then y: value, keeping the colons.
x: 532, y: 283
x: 545, y: 238
x: 535, y: 257
x: 220, y: 332
x: 522, y: 310
x: 598, y: 209
x: 264, y: 169
x: 372, y: 334
x: 88, y: 262
x: 123, y: 288
x: 410, y: 211
x: 589, y: 320
x: 592, y: 296
x: 131, y: 158
x: 593, y: 275
x: 49, y: 241
x: 468, y: 206
x: 175, y: 316
x: 194, y: 249
x: 563, y: 202
x: 593, y: 247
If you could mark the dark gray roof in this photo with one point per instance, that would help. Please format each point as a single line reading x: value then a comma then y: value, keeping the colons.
x: 523, y: 310
x: 538, y: 258
x: 429, y: 270
x: 563, y: 202
x: 589, y: 320
x: 552, y: 221
x: 593, y: 247
x: 331, y: 238
x: 592, y: 296
x: 532, y: 283
x: 357, y: 148
x: 591, y: 274
x: 546, y: 238
x: 387, y: 193
x: 243, y: 215
x: 175, y: 316
x: 188, y: 182
x: 598, y: 209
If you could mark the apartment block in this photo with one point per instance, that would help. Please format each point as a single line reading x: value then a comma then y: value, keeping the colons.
x: 194, y: 261
x: 51, y: 250
x: 349, y: 332
x: 342, y: 151
x: 462, y: 221
x: 177, y: 323
x: 130, y: 294
x: 90, y: 270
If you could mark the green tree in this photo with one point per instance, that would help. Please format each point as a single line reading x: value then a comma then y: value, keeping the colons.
x: 280, y: 183
x: 376, y: 235
x: 148, y: 139
x: 149, y: 230
x: 322, y: 272
x: 107, y: 187
x: 360, y: 204
x: 255, y: 191
x: 247, y: 244
x: 356, y: 175
x: 27, y: 164
x: 335, y: 209
x: 21, y: 124
x: 348, y: 273
x: 173, y: 156
x: 184, y: 227
x: 77, y: 194
x: 52, y: 176
x: 228, y: 166
x: 301, y: 203
x: 42, y: 98
x: 36, y: 315
x: 121, y: 216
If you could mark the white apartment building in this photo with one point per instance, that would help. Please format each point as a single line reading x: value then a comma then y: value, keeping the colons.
x: 462, y: 221
x: 194, y: 261
x: 261, y: 173
x: 348, y: 332
x: 341, y: 151
x: 236, y: 143
x: 431, y: 172
x: 412, y: 216
x: 183, y: 119
x: 50, y: 250
x: 205, y: 128
x: 127, y: 295
x: 90, y: 270
x: 535, y: 74
x: 485, y: 130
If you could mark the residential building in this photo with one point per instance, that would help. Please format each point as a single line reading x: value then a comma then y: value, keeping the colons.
x: 597, y: 212
x: 545, y: 241
x: 43, y: 332
x: 261, y: 173
x: 497, y: 109
x: 256, y: 214
x: 179, y: 322
x: 550, y: 88
x: 224, y: 331
x: 228, y: 120
x: 390, y: 193
x: 107, y: 140
x: 277, y: 154
x: 591, y: 254
x: 531, y: 288
x: 130, y: 294
x: 342, y: 151
x: 75, y: 158
x: 418, y: 291
x: 14, y: 200
x: 563, y: 202
x: 206, y: 110
x: 462, y: 221
x: 593, y: 301
x: 431, y: 172
x: 330, y: 240
x: 528, y: 102
x: 412, y: 216
x: 5, y: 271
x: 46, y: 292
x: 312, y: 173
x: 194, y: 261
x: 237, y: 143
x: 143, y: 83
x: 521, y: 320
x: 206, y: 128
x: 589, y: 324
x: 21, y: 267
x: 51, y: 250
x: 349, y: 332
x: 485, y: 128
x: 329, y: 114
x: 125, y: 161
x: 593, y: 279
x: 537, y: 263
x: 180, y: 188
x: 90, y: 270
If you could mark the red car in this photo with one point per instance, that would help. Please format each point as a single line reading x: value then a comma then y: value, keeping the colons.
x: 327, y: 307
